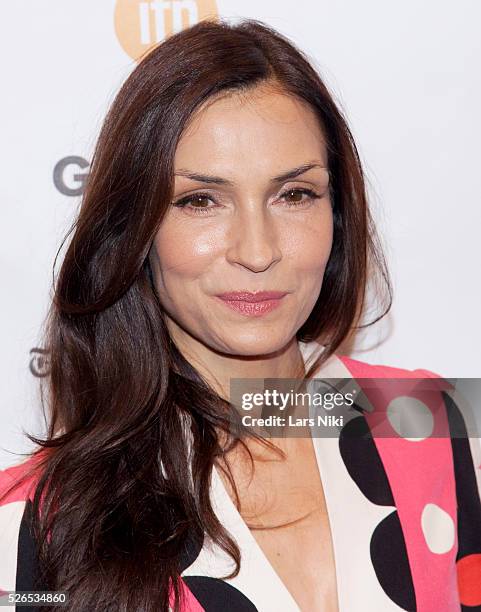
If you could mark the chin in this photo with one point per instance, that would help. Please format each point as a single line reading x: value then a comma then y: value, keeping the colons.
x: 256, y: 343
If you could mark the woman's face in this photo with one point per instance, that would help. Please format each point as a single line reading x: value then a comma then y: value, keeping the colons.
x: 242, y: 226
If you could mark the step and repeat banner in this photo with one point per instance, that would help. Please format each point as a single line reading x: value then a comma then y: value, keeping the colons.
x: 406, y: 75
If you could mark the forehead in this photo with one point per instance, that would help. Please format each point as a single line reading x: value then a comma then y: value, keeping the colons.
x: 262, y: 129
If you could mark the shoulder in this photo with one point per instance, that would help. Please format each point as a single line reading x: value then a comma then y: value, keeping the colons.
x: 17, y: 486
x: 432, y: 460
x: 363, y: 369
x: 17, y: 482
x: 412, y: 404
x: 13, y: 500
x: 339, y: 363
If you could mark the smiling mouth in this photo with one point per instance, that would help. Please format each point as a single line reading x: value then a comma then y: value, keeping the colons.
x: 252, y: 297
x: 253, y: 304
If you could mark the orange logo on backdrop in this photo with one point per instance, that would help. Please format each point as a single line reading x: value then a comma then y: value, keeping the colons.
x: 140, y: 25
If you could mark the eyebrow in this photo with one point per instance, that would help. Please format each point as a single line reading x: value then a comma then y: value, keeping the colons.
x: 285, y: 176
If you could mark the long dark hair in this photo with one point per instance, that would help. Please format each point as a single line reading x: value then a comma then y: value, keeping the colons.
x: 114, y: 510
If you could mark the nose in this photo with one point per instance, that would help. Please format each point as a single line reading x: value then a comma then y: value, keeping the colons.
x: 253, y: 241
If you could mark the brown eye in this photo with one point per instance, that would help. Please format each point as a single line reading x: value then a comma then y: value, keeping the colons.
x: 297, y: 195
x: 197, y: 202
x: 294, y: 197
x: 200, y: 200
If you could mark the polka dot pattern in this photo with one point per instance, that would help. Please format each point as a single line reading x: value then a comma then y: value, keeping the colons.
x: 418, y: 541
x: 391, y: 563
x: 438, y: 529
x: 362, y: 461
x: 469, y: 580
x: 410, y: 418
x: 468, y: 564
x: 216, y: 595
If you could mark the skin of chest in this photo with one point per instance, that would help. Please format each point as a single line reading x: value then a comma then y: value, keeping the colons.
x: 283, y: 504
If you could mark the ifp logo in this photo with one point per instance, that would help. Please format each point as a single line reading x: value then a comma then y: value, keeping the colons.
x: 140, y: 25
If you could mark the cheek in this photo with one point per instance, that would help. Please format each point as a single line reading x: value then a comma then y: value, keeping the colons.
x: 183, y: 252
x: 308, y: 243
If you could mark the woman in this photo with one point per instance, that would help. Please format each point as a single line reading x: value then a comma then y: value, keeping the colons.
x: 225, y: 234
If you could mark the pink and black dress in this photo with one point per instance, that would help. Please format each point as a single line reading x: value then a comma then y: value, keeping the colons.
x: 404, y: 510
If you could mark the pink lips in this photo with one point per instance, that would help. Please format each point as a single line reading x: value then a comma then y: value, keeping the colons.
x: 252, y: 304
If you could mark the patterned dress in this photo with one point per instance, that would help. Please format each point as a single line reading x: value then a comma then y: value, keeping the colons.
x: 404, y: 509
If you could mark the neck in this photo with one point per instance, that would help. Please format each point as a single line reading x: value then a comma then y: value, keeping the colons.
x: 218, y: 368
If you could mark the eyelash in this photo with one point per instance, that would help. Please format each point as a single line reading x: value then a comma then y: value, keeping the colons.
x: 183, y: 202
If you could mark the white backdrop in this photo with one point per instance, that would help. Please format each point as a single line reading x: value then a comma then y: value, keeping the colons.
x: 406, y: 74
